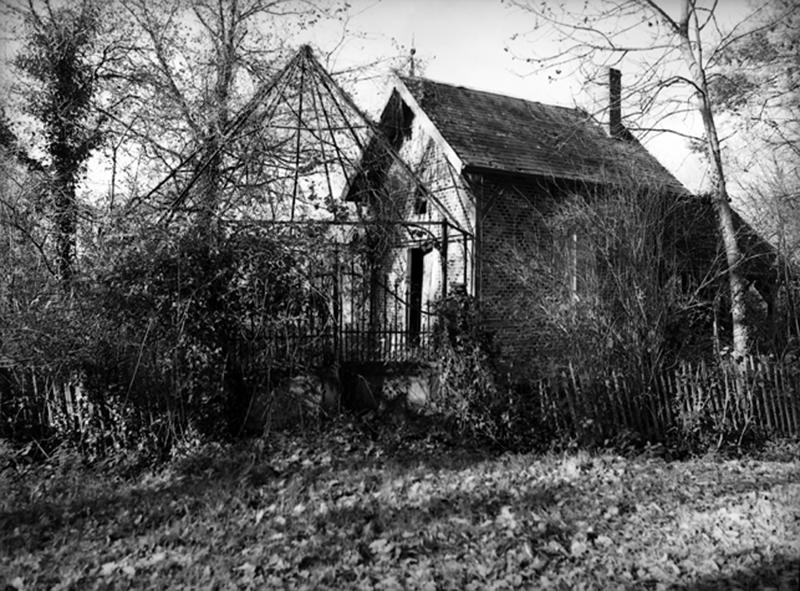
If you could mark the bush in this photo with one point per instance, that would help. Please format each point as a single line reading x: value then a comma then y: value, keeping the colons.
x: 466, y: 392
x: 473, y: 391
x: 165, y: 334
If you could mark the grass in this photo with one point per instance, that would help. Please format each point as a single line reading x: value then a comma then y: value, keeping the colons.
x: 339, y: 511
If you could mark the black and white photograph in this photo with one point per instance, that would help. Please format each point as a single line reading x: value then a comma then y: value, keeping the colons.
x: 400, y: 295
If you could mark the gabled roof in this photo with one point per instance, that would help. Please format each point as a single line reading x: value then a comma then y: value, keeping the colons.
x: 513, y: 135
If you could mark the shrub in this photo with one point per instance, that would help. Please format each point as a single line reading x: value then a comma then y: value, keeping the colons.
x: 466, y: 392
x: 471, y: 392
x: 165, y: 334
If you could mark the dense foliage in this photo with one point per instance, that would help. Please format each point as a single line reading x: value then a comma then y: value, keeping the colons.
x: 466, y: 390
x: 59, y: 58
x: 166, y: 334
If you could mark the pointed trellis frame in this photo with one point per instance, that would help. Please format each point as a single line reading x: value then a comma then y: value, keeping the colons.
x: 294, y: 150
x: 302, y: 152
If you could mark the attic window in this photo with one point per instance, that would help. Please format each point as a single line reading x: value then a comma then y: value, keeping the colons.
x: 420, y: 202
x: 406, y: 119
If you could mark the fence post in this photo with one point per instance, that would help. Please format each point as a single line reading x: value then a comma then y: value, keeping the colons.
x: 781, y: 395
x: 792, y: 382
x: 567, y: 390
x: 625, y: 415
x: 666, y: 401
x: 609, y: 392
x: 443, y: 255
x: 337, y: 312
x: 772, y: 415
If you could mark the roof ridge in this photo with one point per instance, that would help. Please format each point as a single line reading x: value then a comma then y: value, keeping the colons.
x: 492, y: 93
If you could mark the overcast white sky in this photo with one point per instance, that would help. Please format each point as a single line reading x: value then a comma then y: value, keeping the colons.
x: 470, y: 43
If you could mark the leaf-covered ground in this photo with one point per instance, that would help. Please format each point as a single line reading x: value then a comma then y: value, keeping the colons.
x: 337, y: 511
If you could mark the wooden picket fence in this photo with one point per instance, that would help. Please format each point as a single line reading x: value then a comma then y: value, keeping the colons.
x: 51, y: 405
x: 725, y: 397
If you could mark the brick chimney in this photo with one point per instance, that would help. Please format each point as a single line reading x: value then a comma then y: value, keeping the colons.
x: 615, y: 127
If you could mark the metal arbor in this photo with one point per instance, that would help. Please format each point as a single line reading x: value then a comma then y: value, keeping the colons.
x: 297, y: 150
x: 301, y: 153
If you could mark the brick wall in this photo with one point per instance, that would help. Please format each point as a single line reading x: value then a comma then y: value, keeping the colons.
x: 498, y: 245
x: 504, y: 249
x: 521, y: 274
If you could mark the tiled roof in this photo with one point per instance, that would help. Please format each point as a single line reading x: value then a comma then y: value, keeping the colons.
x: 502, y: 133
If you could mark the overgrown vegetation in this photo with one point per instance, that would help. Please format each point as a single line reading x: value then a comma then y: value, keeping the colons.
x: 165, y: 365
x: 138, y: 319
x: 167, y: 336
x: 58, y: 56
x: 598, y: 394
x: 467, y: 389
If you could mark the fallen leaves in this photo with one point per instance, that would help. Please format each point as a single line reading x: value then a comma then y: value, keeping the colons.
x: 353, y: 517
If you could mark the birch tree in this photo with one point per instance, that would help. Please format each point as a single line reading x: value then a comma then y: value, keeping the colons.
x: 673, y: 52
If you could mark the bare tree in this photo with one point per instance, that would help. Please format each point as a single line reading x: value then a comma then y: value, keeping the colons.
x: 24, y: 228
x: 196, y: 66
x: 756, y: 88
x: 675, y: 51
x: 756, y: 81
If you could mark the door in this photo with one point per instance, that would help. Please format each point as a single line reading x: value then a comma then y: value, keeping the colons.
x: 416, y: 268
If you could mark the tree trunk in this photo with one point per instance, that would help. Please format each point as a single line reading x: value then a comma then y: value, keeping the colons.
x: 66, y: 226
x: 736, y: 281
x: 226, y: 54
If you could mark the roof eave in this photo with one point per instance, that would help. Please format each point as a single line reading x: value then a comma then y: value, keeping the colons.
x: 674, y: 189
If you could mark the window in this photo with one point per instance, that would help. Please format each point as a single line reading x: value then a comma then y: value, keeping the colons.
x: 572, y: 264
x: 416, y: 270
x: 577, y: 263
x: 420, y: 202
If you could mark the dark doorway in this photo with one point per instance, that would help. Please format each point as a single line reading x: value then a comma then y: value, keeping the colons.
x: 416, y: 266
